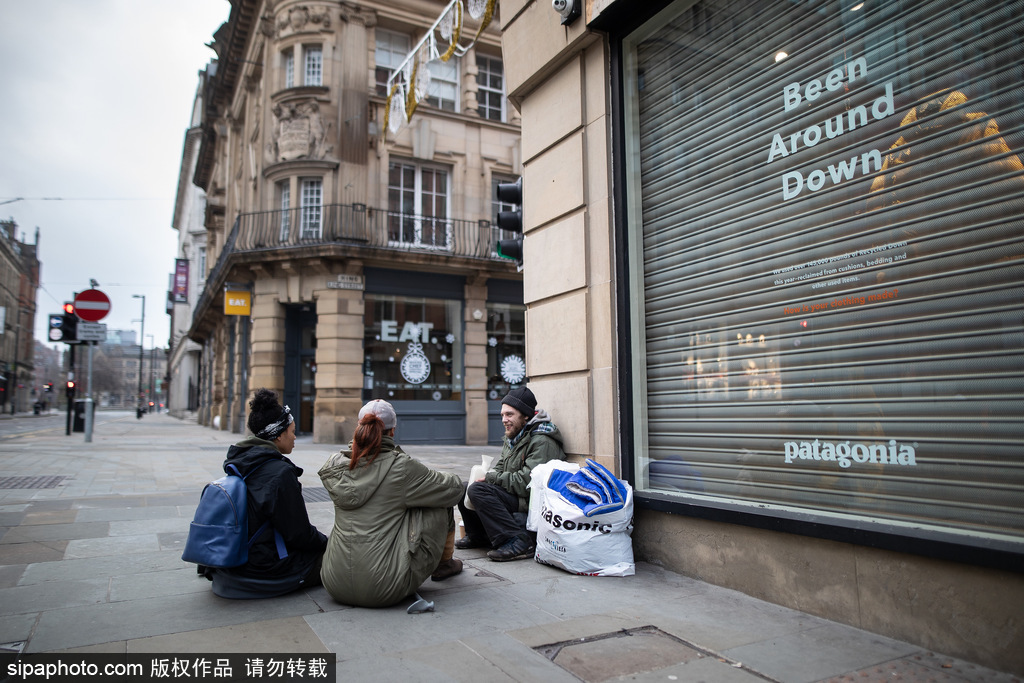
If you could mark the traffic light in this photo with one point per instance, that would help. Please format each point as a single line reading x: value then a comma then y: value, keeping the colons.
x: 70, y: 388
x: 511, y: 249
x: 56, y: 327
x: 70, y: 324
x: 64, y: 326
x: 512, y: 221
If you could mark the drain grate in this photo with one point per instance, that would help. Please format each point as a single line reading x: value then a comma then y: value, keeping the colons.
x: 315, y: 495
x: 629, y: 653
x: 50, y: 482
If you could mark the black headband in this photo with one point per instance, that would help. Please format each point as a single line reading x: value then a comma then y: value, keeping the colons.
x: 275, y: 429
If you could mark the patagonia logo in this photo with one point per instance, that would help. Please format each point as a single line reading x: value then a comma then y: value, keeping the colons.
x: 846, y: 453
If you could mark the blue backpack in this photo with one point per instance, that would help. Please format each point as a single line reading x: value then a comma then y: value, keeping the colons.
x: 219, y: 533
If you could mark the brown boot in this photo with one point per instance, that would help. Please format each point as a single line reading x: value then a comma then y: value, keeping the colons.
x: 447, y: 569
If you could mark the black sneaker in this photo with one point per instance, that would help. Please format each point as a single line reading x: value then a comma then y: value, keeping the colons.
x: 468, y: 542
x: 516, y: 548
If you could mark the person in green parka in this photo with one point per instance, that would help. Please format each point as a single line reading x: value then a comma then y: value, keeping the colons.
x: 394, y: 522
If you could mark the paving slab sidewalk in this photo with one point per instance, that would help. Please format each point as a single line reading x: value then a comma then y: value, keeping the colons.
x: 92, y: 564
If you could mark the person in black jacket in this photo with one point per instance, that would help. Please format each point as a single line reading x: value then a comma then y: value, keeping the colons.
x: 288, y: 554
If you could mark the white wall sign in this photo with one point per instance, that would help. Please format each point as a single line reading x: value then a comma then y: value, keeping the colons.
x: 346, y: 282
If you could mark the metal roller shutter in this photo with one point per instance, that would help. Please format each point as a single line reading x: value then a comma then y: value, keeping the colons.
x: 826, y: 250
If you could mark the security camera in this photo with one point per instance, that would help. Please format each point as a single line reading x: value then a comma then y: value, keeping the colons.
x: 568, y: 9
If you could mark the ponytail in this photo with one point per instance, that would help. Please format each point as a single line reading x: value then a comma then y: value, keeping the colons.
x: 366, y: 440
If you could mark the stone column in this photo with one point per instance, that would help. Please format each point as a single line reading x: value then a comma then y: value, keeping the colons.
x: 218, y: 398
x: 206, y: 381
x: 339, y: 364
x: 475, y: 383
x: 268, y: 337
x: 470, y: 92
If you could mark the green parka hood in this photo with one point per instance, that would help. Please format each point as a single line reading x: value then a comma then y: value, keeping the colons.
x: 350, y: 489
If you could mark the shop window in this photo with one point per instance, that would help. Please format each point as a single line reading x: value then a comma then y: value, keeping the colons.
x: 413, y: 348
x: 490, y: 84
x: 506, y: 348
x: 823, y: 216
x: 418, y: 199
x: 392, y: 49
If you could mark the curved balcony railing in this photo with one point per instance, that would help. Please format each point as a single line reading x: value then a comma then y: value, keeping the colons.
x: 356, y: 225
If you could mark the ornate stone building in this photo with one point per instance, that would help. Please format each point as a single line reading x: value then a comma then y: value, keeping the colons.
x: 344, y: 263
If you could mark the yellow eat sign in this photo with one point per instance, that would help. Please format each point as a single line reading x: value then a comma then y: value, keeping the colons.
x: 237, y: 302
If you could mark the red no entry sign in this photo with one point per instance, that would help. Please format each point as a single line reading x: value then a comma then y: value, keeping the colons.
x: 92, y: 305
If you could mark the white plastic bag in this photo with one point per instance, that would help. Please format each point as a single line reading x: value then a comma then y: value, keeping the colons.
x: 539, y: 477
x: 594, y: 546
x: 476, y: 473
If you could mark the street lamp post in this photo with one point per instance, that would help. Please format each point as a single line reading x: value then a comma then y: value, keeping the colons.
x: 142, y: 338
x: 17, y: 342
x: 152, y: 394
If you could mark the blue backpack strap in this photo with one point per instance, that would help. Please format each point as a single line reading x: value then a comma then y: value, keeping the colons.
x: 263, y: 527
x: 282, y: 551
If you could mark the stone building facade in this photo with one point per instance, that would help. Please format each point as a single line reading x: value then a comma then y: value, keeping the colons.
x: 126, y: 375
x: 189, y: 278
x: 347, y: 261
x: 773, y: 253
x: 19, y: 282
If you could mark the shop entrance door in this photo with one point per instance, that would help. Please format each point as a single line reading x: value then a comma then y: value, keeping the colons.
x: 300, y: 365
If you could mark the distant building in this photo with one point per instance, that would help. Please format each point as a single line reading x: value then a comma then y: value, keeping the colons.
x: 116, y: 373
x: 19, y: 282
x: 189, y: 275
x: 117, y: 378
x: 122, y: 337
x: 347, y: 261
x: 48, y: 375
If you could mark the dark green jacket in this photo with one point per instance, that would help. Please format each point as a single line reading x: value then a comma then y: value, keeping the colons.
x: 537, y: 443
x: 390, y: 525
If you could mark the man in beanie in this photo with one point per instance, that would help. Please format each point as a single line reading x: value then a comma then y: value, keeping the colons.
x: 501, y: 499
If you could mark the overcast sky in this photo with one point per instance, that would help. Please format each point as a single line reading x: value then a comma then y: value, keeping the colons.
x: 97, y: 96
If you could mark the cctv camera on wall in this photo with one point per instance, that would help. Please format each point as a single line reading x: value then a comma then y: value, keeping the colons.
x: 569, y: 10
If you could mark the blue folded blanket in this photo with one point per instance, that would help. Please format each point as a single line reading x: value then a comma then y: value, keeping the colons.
x: 593, y: 489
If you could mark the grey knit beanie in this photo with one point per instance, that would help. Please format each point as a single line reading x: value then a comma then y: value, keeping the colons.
x: 523, y: 400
